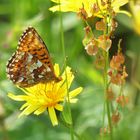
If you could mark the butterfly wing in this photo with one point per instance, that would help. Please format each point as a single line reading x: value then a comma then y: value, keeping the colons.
x: 31, y: 63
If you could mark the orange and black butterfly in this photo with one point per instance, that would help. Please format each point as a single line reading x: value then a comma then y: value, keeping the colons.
x: 31, y: 63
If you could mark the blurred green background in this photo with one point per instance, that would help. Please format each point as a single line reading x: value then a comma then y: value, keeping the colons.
x: 15, y: 17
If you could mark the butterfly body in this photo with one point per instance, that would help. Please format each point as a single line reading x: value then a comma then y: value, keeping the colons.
x: 31, y: 63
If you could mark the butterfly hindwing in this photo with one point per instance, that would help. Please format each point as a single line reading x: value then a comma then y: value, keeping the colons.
x: 31, y: 63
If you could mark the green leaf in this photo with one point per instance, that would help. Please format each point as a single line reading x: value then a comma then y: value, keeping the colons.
x: 66, y: 114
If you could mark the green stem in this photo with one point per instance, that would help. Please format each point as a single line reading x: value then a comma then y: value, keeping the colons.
x: 109, y: 120
x: 107, y: 101
x: 65, y: 64
x: 103, y: 125
x: 106, y: 84
x: 121, y: 93
x: 67, y: 126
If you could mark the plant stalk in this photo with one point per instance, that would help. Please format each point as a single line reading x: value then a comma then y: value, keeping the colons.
x: 107, y: 101
x: 65, y: 64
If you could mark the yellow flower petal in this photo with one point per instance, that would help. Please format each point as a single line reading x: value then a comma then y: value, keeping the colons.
x: 52, y: 115
x: 17, y: 97
x: 28, y: 110
x: 135, y: 9
x: 40, y: 110
x: 24, y: 106
x: 29, y: 90
x: 67, y: 76
x: 58, y: 1
x: 75, y: 92
x: 57, y: 70
x: 73, y: 100
x: 117, y: 3
x: 59, y: 107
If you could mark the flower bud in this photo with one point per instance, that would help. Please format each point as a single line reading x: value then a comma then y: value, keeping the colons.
x: 122, y: 100
x: 91, y: 50
x: 115, y: 117
x: 100, y: 25
x: 104, y: 42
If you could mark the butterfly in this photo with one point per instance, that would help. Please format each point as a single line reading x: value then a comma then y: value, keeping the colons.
x: 31, y: 63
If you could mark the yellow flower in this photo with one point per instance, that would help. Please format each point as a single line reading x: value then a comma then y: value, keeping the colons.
x: 135, y: 8
x: 92, y: 7
x: 49, y: 96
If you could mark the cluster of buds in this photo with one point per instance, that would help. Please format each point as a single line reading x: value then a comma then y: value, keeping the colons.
x: 122, y: 100
x: 98, y: 45
x: 117, y: 74
x: 94, y: 44
x: 118, y: 70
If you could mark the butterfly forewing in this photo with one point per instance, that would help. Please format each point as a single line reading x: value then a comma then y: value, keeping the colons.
x: 31, y: 63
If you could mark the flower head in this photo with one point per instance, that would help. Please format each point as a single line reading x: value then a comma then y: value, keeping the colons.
x: 91, y: 7
x: 48, y: 96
